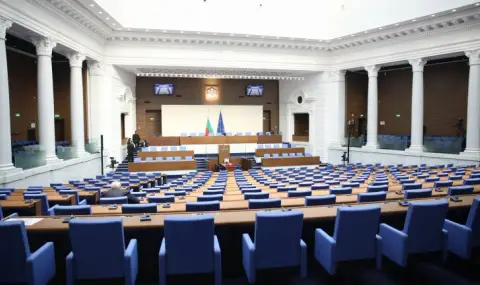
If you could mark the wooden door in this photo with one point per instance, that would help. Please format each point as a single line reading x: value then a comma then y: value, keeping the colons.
x: 267, y: 121
x: 153, y: 122
x: 59, y: 130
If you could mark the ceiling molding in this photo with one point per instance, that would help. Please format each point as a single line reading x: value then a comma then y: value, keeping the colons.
x: 77, y: 12
x: 217, y: 73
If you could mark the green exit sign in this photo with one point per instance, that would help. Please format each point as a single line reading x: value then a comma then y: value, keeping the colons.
x: 152, y: 119
x: 397, y: 115
x: 57, y: 116
x: 361, y: 115
x: 17, y: 115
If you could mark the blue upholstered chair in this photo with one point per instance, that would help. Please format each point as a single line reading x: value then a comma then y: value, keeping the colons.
x: 423, y: 232
x: 341, y: 190
x: 300, y: 193
x: 114, y: 200
x: 98, y: 251
x: 139, y: 208
x: 203, y: 206
x: 205, y: 198
x: 462, y: 238
x: 277, y: 243
x: 460, y: 190
x: 264, y: 203
x: 180, y: 256
x: 320, y: 200
x: 59, y: 210
x: 355, y: 237
x: 377, y: 188
x: 259, y: 195
x: 371, y: 197
x: 443, y: 183
x: 414, y: 194
x: 17, y: 263
x: 161, y: 199
x: 74, y: 193
x: 471, y: 181
x: 137, y: 159
x: 43, y: 200
x: 411, y: 186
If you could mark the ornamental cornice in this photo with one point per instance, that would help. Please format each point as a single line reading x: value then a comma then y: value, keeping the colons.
x: 474, y: 56
x: 4, y: 26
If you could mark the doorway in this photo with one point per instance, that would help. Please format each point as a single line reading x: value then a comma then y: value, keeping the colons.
x: 301, y: 127
x: 267, y: 121
x: 153, y: 122
x: 59, y: 130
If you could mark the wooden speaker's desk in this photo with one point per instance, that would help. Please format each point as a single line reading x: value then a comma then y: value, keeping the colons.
x: 164, y: 154
x: 218, y: 140
x: 290, y: 161
x: 163, y: 141
x: 162, y: 166
x: 260, y: 152
x: 269, y: 139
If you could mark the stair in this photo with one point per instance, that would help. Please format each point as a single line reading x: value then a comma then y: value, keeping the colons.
x: 202, y: 164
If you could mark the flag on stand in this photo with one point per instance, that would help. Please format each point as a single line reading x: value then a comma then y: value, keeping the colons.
x: 220, y: 126
x: 208, y: 128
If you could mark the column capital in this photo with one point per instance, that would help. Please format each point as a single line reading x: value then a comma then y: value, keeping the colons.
x: 44, y: 45
x: 373, y: 70
x: 417, y: 64
x: 4, y: 25
x: 474, y: 56
x: 97, y: 68
x: 337, y: 75
x: 76, y: 59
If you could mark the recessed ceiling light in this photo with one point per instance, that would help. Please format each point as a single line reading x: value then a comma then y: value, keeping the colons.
x: 339, y: 38
x: 198, y: 33
x: 129, y: 29
x: 414, y: 20
x: 278, y: 38
x: 164, y: 31
x: 478, y: 4
x: 100, y: 12
x: 146, y: 30
x: 114, y: 24
x: 454, y: 10
x: 352, y: 35
x: 91, y: 5
x: 433, y: 15
x: 396, y: 24
x: 380, y: 28
x: 181, y: 32
x: 107, y: 18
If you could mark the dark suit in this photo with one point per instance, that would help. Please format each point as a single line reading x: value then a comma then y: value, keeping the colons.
x: 115, y: 192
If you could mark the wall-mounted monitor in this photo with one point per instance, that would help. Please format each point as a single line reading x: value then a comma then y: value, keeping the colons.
x: 163, y: 89
x: 254, y: 90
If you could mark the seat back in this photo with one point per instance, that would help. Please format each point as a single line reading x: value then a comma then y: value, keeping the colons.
x: 277, y: 238
x: 371, y: 197
x: 139, y: 208
x: 413, y: 194
x: 71, y: 192
x: 43, y: 199
x: 98, y: 247
x: 460, y: 190
x: 320, y: 200
x: 259, y: 195
x: 355, y: 231
x: 264, y: 203
x: 161, y: 199
x: 203, y: 206
x: 183, y: 255
x: 473, y: 221
x: 424, y: 224
x: 114, y: 200
x: 204, y: 198
x: 377, y: 188
x: 14, y: 251
x: 72, y: 210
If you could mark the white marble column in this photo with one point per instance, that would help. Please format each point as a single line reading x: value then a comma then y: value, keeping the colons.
x: 45, y: 101
x: 338, y: 79
x: 372, y: 113
x: 417, y: 105
x: 5, y: 131
x: 473, y: 108
x: 76, y: 103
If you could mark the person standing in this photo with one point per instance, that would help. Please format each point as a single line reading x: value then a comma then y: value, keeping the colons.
x: 136, y: 140
x: 130, y: 149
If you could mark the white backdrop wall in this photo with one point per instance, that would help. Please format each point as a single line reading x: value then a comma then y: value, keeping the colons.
x: 178, y: 119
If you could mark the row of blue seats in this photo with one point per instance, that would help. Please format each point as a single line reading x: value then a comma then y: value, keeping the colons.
x: 159, y: 158
x: 356, y: 236
x: 275, y: 145
x: 276, y: 155
x: 164, y: 148
x: 227, y: 134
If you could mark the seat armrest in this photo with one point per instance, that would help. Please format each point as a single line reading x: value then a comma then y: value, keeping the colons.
x: 51, y: 211
x: 248, y: 250
x: 325, y: 250
x: 131, y: 261
x: 83, y: 202
x: 459, y: 238
x: 41, y: 265
x: 394, y: 244
x: 216, y: 245
x: 13, y: 215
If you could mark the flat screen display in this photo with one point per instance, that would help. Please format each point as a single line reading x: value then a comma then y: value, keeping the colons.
x: 163, y: 89
x: 254, y: 90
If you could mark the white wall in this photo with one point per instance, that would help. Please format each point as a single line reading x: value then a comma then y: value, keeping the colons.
x: 178, y: 119
x: 74, y: 169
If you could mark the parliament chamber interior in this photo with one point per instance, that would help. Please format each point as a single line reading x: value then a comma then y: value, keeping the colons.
x: 254, y: 142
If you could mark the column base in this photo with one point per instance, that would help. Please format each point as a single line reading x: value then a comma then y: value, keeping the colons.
x: 473, y: 154
x: 415, y: 148
x: 53, y: 160
x: 82, y: 153
x: 370, y: 146
x: 8, y: 169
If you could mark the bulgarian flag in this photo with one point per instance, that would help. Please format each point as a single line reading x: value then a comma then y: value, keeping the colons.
x: 208, y: 128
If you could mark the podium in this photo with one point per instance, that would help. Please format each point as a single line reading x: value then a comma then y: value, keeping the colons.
x: 223, y: 152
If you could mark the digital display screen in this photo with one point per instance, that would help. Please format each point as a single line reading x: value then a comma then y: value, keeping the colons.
x: 163, y: 89
x: 254, y: 90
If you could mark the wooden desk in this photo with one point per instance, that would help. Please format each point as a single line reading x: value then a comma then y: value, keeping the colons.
x: 269, y: 139
x: 218, y: 140
x: 33, y: 208
x: 290, y: 161
x: 163, y: 141
x: 162, y: 166
x: 260, y: 152
x: 164, y: 154
x: 53, y: 199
